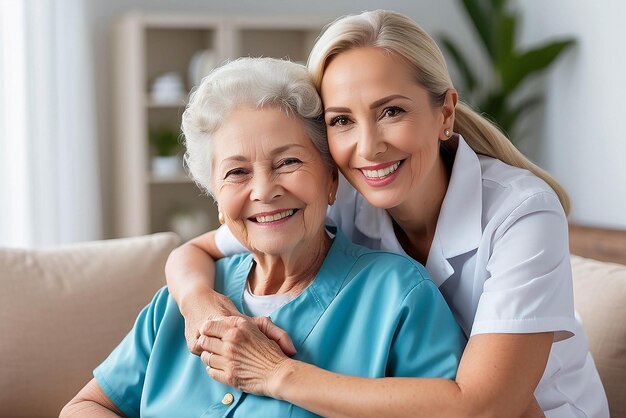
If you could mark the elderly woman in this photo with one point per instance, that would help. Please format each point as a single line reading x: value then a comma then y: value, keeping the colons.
x: 256, y: 142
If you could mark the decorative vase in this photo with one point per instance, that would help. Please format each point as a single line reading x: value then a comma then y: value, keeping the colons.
x: 166, y: 166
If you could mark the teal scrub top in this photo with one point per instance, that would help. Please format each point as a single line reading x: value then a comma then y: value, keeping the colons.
x: 367, y: 313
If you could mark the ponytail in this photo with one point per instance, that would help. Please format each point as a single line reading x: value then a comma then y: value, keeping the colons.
x: 486, y: 139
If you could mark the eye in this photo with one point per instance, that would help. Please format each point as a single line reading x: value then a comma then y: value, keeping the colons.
x: 288, y: 164
x: 236, y: 172
x: 340, y: 120
x: 392, y: 111
x: 289, y: 161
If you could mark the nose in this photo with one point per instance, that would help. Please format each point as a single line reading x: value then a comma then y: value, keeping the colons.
x: 265, y: 187
x: 370, y: 142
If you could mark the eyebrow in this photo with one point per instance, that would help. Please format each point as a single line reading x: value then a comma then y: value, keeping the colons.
x: 273, y: 153
x: 374, y: 105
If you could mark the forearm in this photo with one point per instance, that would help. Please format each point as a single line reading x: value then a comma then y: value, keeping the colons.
x: 497, y: 377
x: 335, y: 395
x: 190, y: 274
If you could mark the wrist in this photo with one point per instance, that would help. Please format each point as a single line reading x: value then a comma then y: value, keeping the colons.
x: 284, y: 376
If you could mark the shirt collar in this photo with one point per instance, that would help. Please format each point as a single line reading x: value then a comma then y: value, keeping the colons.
x: 459, y: 227
x: 309, y: 305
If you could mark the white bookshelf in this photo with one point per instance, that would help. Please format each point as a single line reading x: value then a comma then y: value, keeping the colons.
x: 149, y: 45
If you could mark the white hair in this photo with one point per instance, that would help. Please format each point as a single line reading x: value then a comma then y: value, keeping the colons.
x: 254, y: 82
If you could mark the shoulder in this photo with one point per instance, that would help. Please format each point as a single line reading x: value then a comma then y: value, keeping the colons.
x: 231, y: 274
x: 383, y: 268
x: 234, y: 261
x: 510, y: 193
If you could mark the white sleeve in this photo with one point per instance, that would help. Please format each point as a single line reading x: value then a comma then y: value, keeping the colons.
x: 530, y: 285
x: 227, y: 243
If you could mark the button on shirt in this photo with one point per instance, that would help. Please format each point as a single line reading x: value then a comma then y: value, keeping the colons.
x: 500, y: 257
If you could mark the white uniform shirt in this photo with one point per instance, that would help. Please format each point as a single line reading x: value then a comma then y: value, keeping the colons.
x: 500, y: 257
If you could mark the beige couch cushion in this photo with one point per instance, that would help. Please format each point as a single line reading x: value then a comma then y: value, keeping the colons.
x: 64, y: 309
x: 600, y: 299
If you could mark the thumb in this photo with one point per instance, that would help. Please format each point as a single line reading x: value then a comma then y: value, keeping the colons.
x: 273, y: 332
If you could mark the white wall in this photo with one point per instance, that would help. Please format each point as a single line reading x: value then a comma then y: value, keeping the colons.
x: 583, y: 145
x: 579, y: 142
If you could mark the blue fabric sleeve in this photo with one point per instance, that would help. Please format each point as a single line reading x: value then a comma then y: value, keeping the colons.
x: 428, y: 341
x: 121, y: 376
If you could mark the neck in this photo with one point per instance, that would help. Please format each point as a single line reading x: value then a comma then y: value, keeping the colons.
x: 415, y: 220
x: 292, y: 272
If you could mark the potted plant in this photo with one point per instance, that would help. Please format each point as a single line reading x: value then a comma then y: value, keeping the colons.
x: 166, y: 145
x: 496, y: 25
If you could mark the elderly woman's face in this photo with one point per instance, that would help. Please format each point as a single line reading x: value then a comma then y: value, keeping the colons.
x: 270, y: 181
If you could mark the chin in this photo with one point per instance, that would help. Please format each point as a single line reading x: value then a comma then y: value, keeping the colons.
x: 383, y: 199
x: 272, y: 248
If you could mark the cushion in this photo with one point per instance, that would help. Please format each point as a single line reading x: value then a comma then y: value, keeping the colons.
x: 600, y: 299
x: 64, y: 309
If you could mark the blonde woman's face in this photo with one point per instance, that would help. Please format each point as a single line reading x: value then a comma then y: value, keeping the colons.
x: 270, y: 181
x: 383, y: 131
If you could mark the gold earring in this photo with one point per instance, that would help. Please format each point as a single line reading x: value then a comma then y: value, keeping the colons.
x: 331, y: 198
x: 220, y: 218
x: 447, y: 132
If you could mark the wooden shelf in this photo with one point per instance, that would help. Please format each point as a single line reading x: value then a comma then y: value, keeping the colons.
x: 180, y: 178
x: 147, y: 46
x: 149, y: 103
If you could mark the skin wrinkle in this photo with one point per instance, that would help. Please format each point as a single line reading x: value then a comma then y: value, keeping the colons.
x: 254, y: 145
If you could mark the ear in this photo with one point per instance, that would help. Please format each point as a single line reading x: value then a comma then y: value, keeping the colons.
x: 447, y: 110
x: 334, y: 180
x: 334, y: 183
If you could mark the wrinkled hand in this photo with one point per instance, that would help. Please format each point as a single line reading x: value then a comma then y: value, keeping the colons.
x: 201, y: 309
x: 243, y: 356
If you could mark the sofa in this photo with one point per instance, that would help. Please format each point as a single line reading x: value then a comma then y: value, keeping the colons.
x: 64, y: 309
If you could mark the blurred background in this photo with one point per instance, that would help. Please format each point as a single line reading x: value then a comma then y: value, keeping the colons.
x: 91, y: 94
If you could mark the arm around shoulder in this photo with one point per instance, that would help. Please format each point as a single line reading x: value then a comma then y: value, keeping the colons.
x: 190, y: 274
x: 497, y: 374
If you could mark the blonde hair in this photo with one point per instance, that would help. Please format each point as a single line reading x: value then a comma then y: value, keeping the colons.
x: 398, y: 34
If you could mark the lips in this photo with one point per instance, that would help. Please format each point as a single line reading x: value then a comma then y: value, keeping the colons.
x: 380, y: 171
x: 272, y: 217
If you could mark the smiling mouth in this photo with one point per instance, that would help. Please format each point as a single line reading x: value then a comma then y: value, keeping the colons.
x: 382, y: 172
x: 273, y: 217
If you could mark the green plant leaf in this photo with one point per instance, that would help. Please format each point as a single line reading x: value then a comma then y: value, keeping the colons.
x: 505, y: 38
x: 513, y: 115
x: 165, y: 140
x: 496, y: 25
x: 498, y: 5
x: 530, y: 62
x: 468, y: 78
x: 482, y: 23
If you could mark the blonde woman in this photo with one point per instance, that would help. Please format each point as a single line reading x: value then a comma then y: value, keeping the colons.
x: 429, y: 178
